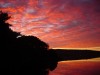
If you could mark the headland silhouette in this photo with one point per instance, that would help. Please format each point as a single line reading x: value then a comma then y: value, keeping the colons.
x: 25, y: 55
x: 28, y: 55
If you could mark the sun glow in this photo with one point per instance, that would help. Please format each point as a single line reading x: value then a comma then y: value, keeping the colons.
x: 60, y: 23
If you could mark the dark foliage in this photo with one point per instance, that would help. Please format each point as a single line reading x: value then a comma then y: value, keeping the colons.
x: 26, y: 55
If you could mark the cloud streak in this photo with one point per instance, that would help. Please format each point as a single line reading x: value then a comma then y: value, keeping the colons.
x: 60, y: 23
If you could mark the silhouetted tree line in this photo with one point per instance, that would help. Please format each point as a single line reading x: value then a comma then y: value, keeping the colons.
x: 25, y: 55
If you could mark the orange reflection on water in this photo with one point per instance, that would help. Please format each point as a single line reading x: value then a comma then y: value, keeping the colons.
x: 77, y: 68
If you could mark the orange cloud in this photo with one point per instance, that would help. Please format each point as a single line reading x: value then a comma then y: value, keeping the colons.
x: 60, y: 23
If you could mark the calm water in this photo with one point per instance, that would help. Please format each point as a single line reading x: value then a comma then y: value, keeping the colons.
x: 77, y: 68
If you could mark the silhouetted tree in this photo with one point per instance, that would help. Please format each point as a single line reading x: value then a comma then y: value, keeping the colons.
x: 26, y: 55
x: 6, y: 34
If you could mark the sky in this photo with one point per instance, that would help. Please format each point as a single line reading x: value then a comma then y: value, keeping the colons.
x: 59, y: 23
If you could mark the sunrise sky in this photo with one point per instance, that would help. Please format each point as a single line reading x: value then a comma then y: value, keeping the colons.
x: 60, y: 23
x: 63, y: 24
